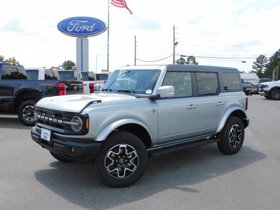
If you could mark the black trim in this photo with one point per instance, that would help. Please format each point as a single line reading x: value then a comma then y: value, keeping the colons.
x: 179, y: 145
x: 75, y: 148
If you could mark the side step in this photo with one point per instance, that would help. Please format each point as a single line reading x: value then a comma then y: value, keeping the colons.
x: 160, y: 149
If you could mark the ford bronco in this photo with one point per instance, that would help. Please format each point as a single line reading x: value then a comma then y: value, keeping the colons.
x: 144, y: 110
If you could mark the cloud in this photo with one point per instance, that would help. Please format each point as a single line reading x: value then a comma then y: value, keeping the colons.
x: 13, y: 25
x: 146, y: 24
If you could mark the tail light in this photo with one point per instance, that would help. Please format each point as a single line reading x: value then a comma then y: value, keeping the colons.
x: 61, y: 89
x: 91, y: 87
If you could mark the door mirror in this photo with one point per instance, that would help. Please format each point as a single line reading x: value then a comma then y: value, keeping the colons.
x: 166, y: 91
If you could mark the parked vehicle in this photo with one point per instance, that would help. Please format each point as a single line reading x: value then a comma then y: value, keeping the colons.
x: 247, y: 87
x: 256, y: 86
x: 73, y: 86
x: 73, y: 80
x: 270, y: 90
x: 39, y: 73
x: 19, y: 95
x: 101, y: 79
x: 88, y: 82
x: 144, y: 110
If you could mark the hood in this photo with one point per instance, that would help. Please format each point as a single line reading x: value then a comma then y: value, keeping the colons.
x: 271, y: 83
x: 76, y: 103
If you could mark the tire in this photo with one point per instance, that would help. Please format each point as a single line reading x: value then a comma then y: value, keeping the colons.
x: 232, y: 136
x: 26, y: 112
x: 275, y: 94
x: 61, y: 158
x: 122, y: 160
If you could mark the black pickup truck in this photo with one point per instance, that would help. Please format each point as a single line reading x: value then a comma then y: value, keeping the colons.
x: 19, y: 94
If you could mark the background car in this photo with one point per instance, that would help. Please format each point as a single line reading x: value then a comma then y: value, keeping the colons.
x: 257, y: 84
x: 246, y: 86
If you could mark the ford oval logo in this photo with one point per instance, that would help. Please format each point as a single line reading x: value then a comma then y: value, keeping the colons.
x: 81, y: 26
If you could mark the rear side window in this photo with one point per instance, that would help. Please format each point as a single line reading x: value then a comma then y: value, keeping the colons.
x: 182, y: 82
x: 13, y: 72
x: 101, y: 76
x: 32, y: 74
x: 77, y: 75
x: 207, y: 83
x: 51, y: 75
x: 66, y: 75
x: 231, y: 81
x: 88, y: 76
x: 91, y: 76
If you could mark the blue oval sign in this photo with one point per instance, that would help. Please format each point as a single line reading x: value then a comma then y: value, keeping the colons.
x: 81, y: 26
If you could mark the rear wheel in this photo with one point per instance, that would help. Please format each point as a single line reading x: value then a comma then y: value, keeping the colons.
x: 122, y: 160
x: 26, y: 112
x: 232, y: 136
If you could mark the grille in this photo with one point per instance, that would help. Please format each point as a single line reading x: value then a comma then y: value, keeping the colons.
x: 53, y: 118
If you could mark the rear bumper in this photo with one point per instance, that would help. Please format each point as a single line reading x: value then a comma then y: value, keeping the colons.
x: 75, y: 149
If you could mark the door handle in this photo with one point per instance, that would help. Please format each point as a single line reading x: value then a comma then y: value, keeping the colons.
x: 191, y: 106
x: 219, y: 103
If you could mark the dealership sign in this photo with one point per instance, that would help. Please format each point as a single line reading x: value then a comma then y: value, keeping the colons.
x: 81, y: 26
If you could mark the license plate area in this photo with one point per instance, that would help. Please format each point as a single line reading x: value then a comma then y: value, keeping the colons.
x: 45, y: 134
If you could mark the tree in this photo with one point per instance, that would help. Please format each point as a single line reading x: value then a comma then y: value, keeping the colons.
x: 274, y: 63
x: 260, y: 65
x: 68, y: 65
x: 181, y: 60
x: 190, y: 60
x: 9, y: 60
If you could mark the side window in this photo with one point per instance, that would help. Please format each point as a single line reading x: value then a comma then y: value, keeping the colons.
x: 32, y: 74
x: 50, y: 75
x: 232, y: 81
x: 13, y: 72
x: 91, y: 76
x: 207, y: 83
x: 182, y: 82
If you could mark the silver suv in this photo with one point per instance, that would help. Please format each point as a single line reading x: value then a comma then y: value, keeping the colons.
x: 143, y: 110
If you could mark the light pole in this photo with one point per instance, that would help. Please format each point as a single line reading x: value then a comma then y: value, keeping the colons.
x: 174, y: 44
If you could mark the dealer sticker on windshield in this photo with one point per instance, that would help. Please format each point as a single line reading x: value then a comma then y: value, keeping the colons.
x: 45, y: 134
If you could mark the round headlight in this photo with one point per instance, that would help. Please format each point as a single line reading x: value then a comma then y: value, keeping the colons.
x: 76, y: 123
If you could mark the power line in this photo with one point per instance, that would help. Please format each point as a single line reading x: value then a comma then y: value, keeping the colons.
x: 204, y: 57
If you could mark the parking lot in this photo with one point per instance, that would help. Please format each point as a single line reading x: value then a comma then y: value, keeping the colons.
x: 198, y: 178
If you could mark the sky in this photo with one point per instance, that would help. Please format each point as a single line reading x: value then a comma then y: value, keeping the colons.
x: 230, y: 33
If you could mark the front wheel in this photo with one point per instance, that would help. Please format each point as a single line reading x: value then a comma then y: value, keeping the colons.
x: 232, y: 136
x: 26, y: 112
x: 275, y: 94
x: 122, y: 160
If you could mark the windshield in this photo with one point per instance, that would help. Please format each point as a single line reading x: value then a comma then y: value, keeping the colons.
x: 132, y: 81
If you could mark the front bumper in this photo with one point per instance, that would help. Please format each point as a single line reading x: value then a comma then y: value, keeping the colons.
x: 264, y: 93
x: 74, y: 149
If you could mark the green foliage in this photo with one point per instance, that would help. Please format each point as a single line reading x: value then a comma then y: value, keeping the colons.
x: 9, y: 60
x: 260, y: 65
x: 68, y: 65
x: 271, y: 66
x: 190, y: 60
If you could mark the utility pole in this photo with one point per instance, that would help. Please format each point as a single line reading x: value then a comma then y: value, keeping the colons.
x: 174, y: 44
x: 134, y: 50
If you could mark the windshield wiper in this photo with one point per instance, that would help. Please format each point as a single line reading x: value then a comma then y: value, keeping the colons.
x: 126, y: 91
x: 107, y: 90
